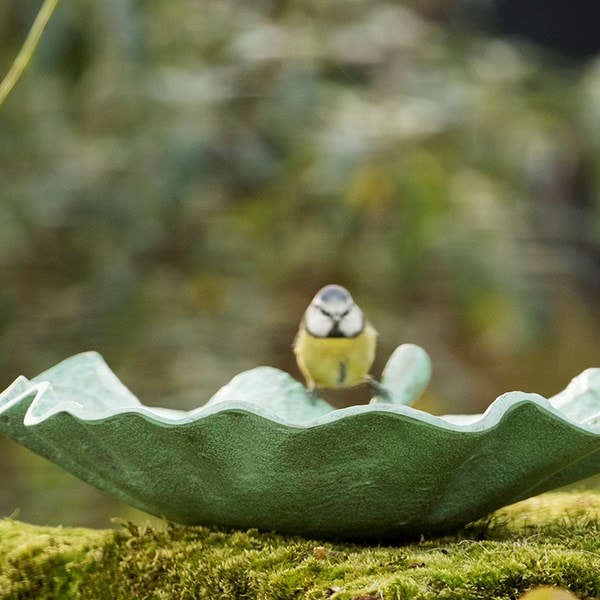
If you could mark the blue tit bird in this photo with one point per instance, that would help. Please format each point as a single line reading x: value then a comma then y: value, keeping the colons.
x: 335, y: 345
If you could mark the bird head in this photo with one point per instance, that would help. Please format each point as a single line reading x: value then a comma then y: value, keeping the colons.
x: 333, y: 313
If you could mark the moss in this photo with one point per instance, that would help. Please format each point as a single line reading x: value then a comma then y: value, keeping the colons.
x: 36, y: 562
x: 549, y: 540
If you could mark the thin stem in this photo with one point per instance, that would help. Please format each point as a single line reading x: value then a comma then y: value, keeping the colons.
x: 25, y: 54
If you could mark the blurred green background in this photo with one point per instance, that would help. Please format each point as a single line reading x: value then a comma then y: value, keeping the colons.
x: 177, y: 179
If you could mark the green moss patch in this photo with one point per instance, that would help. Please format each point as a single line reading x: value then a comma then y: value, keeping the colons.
x: 36, y: 562
x: 549, y: 540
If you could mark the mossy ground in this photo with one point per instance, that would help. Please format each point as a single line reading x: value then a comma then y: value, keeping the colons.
x: 550, y: 540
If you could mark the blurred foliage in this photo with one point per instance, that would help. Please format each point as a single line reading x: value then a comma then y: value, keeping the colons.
x: 179, y: 178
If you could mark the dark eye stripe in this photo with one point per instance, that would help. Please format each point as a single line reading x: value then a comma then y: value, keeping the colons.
x: 328, y: 314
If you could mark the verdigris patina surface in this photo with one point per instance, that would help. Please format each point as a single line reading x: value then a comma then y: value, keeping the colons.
x: 263, y: 453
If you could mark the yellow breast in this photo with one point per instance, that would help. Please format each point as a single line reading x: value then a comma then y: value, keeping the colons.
x: 335, y: 362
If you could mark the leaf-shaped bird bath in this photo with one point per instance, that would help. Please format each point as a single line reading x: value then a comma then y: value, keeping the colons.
x: 262, y: 453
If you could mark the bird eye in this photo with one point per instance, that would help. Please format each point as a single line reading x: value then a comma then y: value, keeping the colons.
x: 323, y: 311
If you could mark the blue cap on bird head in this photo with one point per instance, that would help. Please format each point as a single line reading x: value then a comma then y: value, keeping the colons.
x: 334, y: 293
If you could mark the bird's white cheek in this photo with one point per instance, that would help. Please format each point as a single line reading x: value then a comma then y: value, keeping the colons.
x: 317, y: 323
x: 352, y: 324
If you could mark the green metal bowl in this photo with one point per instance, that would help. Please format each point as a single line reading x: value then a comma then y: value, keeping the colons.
x: 263, y: 453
